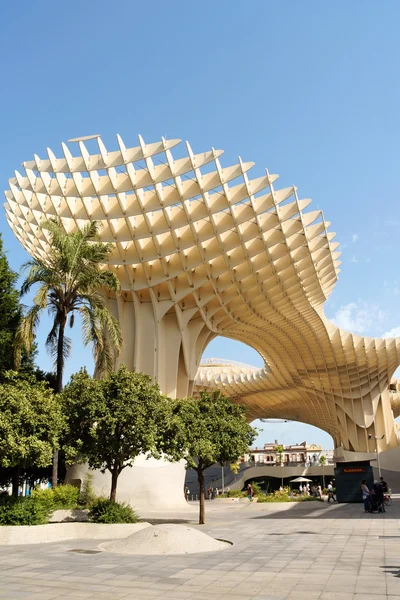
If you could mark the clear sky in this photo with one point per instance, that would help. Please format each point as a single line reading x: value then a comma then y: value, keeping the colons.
x: 310, y: 90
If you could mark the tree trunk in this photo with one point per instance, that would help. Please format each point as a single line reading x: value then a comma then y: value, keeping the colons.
x: 60, y: 357
x: 200, y: 478
x: 15, y: 481
x: 59, y: 382
x: 114, y: 479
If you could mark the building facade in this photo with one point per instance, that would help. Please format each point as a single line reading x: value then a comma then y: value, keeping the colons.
x: 303, y: 454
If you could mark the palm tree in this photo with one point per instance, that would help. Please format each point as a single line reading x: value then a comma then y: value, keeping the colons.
x: 70, y: 282
x: 322, y: 462
x: 279, y: 449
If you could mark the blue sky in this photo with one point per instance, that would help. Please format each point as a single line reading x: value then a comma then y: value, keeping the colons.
x: 310, y: 90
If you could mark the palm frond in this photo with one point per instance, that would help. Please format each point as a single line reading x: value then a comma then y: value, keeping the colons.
x: 103, y: 330
x: 25, y: 334
x: 109, y: 323
x: 41, y: 297
x: 109, y: 280
x: 104, y: 356
x: 52, y: 338
x: 91, y: 333
x: 38, y: 273
x: 106, y: 352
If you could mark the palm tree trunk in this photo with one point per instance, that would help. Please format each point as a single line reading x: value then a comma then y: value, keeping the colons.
x: 59, y: 382
x: 60, y: 357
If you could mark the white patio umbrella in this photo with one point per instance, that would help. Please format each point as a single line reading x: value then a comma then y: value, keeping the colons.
x: 300, y: 480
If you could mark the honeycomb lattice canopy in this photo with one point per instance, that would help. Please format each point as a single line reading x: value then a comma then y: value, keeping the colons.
x: 168, y: 216
x: 203, y: 249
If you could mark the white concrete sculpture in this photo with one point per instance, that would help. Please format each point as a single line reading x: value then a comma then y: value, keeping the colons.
x: 203, y: 250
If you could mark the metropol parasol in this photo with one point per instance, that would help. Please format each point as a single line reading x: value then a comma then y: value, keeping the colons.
x: 202, y: 249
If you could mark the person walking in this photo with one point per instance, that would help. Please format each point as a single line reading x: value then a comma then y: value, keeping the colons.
x: 331, y: 495
x: 300, y: 489
x: 250, y: 492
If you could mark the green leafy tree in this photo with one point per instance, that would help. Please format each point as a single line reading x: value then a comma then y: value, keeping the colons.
x: 235, y: 468
x: 30, y: 424
x: 10, y: 312
x: 208, y: 430
x: 113, y: 420
x: 70, y: 282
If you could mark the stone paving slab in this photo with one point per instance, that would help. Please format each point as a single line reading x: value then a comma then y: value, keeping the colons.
x: 293, y: 553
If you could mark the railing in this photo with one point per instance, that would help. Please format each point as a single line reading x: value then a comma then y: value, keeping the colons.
x: 298, y: 463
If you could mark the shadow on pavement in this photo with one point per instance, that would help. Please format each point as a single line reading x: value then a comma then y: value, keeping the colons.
x: 341, y: 511
x: 388, y: 569
x: 175, y: 521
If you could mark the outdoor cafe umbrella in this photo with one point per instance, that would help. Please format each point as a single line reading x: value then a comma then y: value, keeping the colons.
x: 300, y: 480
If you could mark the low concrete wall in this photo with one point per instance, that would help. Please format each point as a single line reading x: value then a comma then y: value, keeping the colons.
x: 70, y: 516
x: 46, y: 534
x: 150, y: 485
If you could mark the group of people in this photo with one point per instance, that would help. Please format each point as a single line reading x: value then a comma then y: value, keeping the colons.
x: 212, y: 492
x: 316, y: 490
x: 307, y: 490
x: 374, y: 497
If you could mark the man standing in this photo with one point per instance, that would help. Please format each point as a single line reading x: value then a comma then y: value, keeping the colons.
x: 384, y: 485
x: 378, y: 496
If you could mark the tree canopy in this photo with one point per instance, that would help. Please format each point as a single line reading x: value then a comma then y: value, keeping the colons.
x: 30, y: 422
x: 10, y: 312
x: 70, y: 282
x: 207, y: 430
x: 113, y: 420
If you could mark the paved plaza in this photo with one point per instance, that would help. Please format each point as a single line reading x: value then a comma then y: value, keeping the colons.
x: 310, y: 551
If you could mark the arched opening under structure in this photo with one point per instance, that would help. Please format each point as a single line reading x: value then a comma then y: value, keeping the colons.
x: 232, y: 350
x: 241, y: 373
x: 288, y: 433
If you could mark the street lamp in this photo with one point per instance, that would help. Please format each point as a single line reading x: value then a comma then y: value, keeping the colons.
x: 376, y: 438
